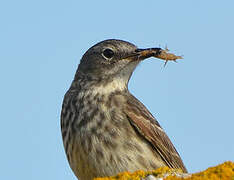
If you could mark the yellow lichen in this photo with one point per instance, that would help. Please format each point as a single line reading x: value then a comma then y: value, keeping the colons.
x: 137, y: 175
x: 223, y: 171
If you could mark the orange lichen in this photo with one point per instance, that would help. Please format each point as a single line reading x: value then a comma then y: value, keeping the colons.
x: 137, y: 175
x: 125, y: 176
x: 223, y: 171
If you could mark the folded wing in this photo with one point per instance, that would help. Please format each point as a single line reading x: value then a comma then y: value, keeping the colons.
x: 147, y: 126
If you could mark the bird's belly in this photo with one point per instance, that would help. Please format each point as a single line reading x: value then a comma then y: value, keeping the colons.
x: 99, y: 155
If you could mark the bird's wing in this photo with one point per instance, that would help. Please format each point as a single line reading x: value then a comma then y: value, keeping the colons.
x: 147, y: 126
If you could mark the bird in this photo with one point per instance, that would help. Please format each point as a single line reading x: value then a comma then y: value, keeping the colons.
x: 105, y: 129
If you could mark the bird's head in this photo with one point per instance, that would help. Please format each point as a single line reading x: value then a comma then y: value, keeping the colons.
x: 112, y: 59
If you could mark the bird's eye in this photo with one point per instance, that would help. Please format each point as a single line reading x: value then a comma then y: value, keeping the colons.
x: 108, y: 53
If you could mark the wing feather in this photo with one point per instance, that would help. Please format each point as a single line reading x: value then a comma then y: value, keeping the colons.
x: 147, y: 126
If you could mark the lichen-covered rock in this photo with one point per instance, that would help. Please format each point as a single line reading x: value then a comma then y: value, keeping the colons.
x: 223, y: 171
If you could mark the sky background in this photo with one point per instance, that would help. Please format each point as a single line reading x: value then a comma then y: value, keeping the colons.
x: 41, y: 43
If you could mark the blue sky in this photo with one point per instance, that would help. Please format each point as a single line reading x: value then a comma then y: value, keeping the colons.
x: 42, y: 42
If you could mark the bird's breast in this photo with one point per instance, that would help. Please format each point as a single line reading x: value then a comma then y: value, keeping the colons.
x: 103, y: 141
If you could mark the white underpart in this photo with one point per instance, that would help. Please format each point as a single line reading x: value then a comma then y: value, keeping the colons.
x: 117, y: 84
x: 120, y: 81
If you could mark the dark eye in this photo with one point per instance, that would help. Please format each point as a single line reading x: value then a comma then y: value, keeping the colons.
x: 108, y: 53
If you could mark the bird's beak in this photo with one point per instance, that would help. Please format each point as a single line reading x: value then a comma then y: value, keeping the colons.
x: 141, y: 54
x: 149, y: 52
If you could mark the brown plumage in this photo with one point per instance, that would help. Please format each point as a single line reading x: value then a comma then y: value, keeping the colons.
x: 105, y: 129
x: 149, y: 128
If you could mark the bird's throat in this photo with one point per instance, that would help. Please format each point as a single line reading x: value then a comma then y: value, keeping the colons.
x: 105, y: 87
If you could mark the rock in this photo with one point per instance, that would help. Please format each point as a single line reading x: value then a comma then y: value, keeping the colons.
x: 223, y: 171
